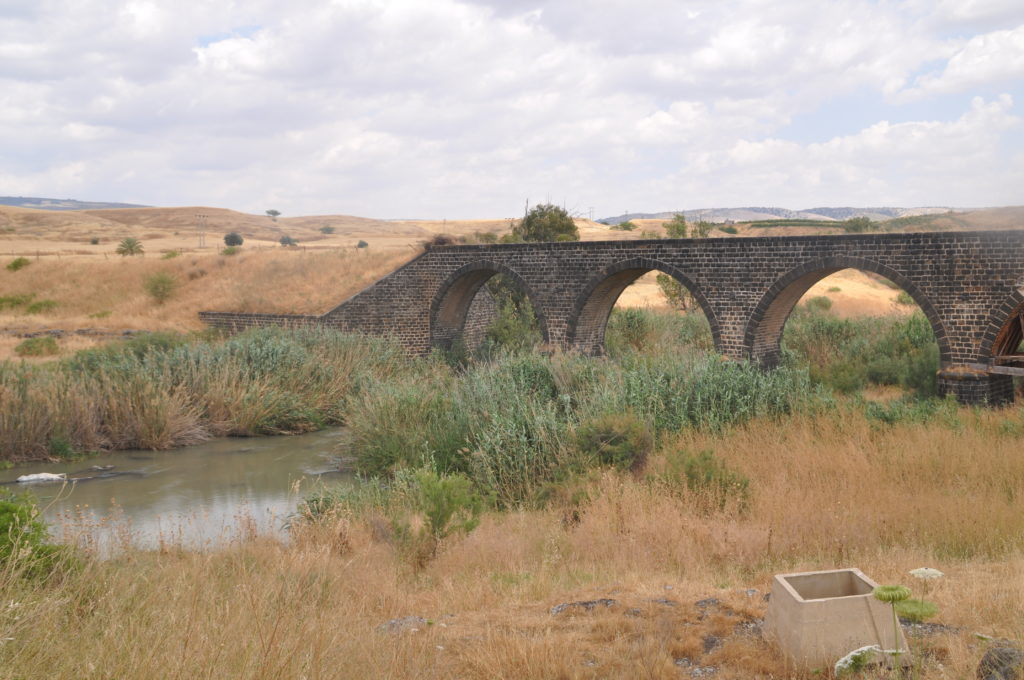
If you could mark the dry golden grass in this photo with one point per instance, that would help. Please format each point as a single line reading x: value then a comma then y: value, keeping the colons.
x: 826, y: 492
x: 109, y: 294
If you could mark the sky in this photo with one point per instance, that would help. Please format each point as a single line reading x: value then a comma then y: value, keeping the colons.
x: 470, y: 108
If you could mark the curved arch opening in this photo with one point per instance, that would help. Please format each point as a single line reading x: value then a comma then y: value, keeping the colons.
x: 481, y: 303
x: 641, y: 304
x: 855, y: 327
x: 1007, y: 351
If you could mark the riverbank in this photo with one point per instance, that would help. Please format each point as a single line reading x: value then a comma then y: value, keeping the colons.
x: 343, y: 600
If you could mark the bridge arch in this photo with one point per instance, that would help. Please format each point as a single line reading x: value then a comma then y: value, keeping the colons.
x: 588, y: 318
x: 764, y: 327
x: 1004, y: 330
x: 455, y: 296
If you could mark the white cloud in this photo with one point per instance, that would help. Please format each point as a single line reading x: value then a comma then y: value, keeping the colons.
x: 463, y: 109
x: 995, y: 57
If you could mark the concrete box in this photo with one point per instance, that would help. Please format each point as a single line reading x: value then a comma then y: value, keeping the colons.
x: 817, y: 617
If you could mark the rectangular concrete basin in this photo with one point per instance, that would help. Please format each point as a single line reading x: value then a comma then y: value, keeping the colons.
x: 817, y: 617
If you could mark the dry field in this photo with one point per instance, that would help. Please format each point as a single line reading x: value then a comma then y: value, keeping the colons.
x: 885, y: 500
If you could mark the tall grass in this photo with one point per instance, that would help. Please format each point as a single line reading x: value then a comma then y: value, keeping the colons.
x: 164, y: 391
x: 509, y: 423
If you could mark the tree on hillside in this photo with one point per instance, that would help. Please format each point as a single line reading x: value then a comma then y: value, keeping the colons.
x: 273, y: 214
x: 676, y: 227
x: 288, y: 241
x: 233, y: 239
x: 129, y: 246
x: 701, y: 229
x: 547, y: 222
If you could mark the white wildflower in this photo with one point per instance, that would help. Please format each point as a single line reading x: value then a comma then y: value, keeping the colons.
x: 926, y: 573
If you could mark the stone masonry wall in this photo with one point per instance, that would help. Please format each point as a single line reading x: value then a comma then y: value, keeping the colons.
x: 964, y: 282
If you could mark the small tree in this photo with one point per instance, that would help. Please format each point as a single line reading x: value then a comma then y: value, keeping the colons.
x: 129, y: 246
x: 547, y: 222
x: 701, y: 229
x: 327, y: 230
x: 676, y: 227
x: 288, y: 241
x: 362, y: 244
x: 273, y: 214
x: 160, y: 287
x: 233, y: 239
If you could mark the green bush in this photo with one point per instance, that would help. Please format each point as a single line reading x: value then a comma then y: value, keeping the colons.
x: 170, y: 255
x: 327, y: 230
x: 446, y: 505
x: 23, y: 540
x: 37, y: 347
x: 230, y: 250
x: 546, y: 222
x: 160, y: 286
x: 713, y: 483
x: 624, y: 226
x: 288, y: 241
x: 18, y: 263
x: 617, y: 439
x: 94, y: 241
x: 676, y: 227
x: 362, y: 244
x: 904, y: 298
x: 729, y: 229
x: 233, y: 239
x: 820, y: 303
x: 41, y: 307
x: 847, y: 354
x: 12, y: 301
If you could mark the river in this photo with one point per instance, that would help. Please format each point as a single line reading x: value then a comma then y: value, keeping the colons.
x: 196, y: 497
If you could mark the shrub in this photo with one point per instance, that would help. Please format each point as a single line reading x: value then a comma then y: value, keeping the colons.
x: 676, y: 227
x: 170, y: 255
x: 445, y: 505
x: 709, y: 478
x: 547, y: 222
x: 819, y: 303
x: 676, y: 294
x: 41, y: 306
x: 327, y: 230
x: 288, y: 241
x: 18, y: 263
x: 362, y: 244
x: 129, y: 247
x: 94, y: 241
x: 160, y: 286
x: 624, y: 226
x: 230, y: 250
x: 728, y: 229
x: 37, y: 347
x: 12, y: 301
x: 23, y: 539
x: 617, y: 439
x: 233, y: 239
x: 904, y: 298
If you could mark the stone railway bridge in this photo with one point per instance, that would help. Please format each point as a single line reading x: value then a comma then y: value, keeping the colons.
x: 970, y: 285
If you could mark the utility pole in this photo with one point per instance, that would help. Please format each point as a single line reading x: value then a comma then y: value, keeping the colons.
x: 591, y: 211
x: 201, y: 226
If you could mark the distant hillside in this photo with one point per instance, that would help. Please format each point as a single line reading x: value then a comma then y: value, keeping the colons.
x: 762, y: 213
x: 61, y: 203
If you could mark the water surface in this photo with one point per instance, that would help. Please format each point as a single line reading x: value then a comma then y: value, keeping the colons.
x: 198, y: 496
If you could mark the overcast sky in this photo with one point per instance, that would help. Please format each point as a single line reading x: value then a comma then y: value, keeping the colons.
x: 459, y: 109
